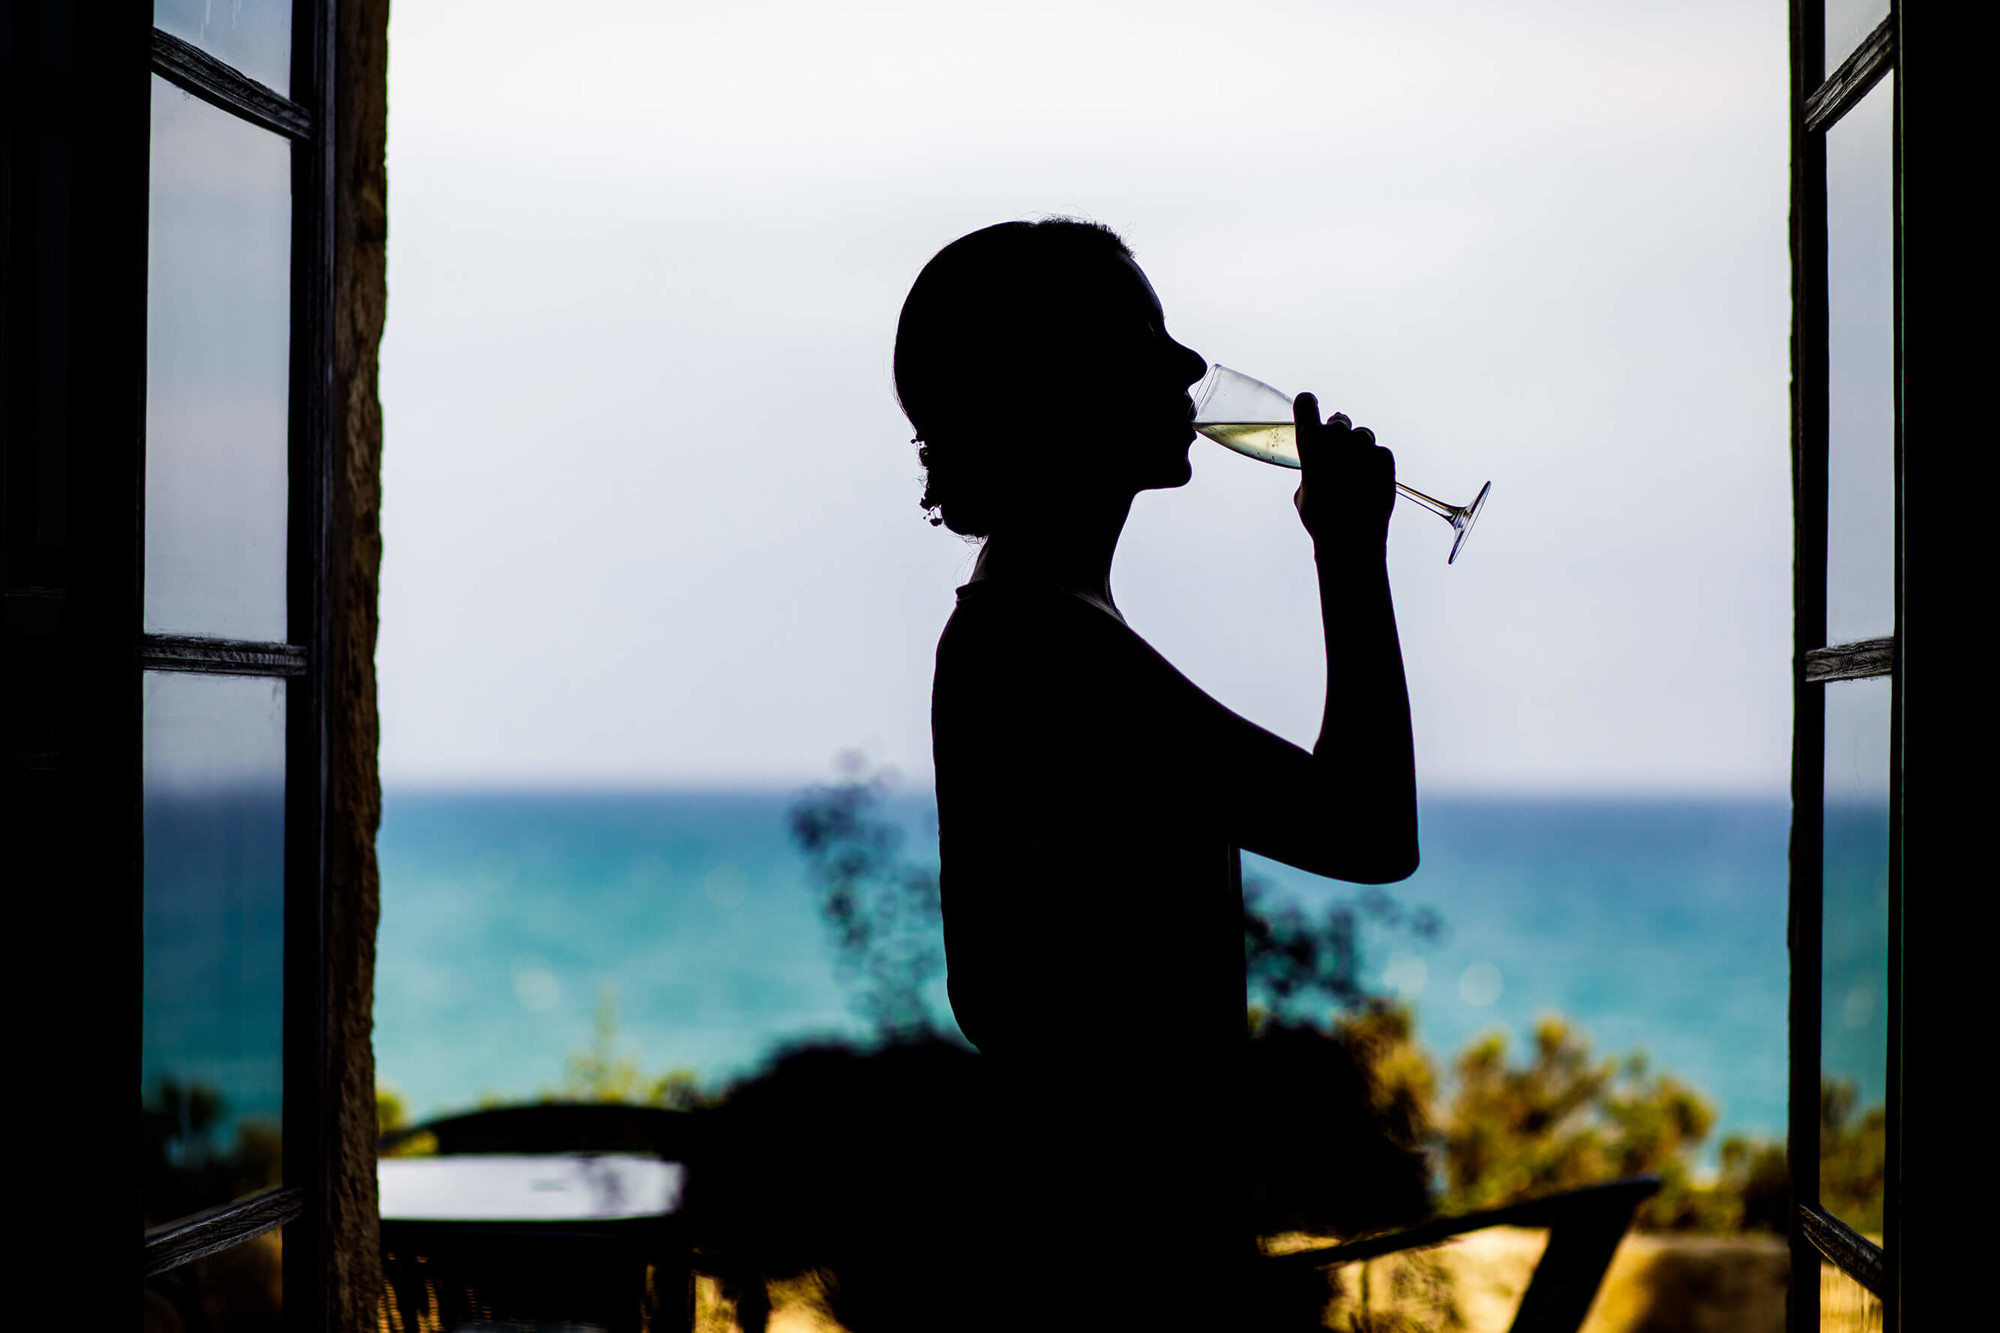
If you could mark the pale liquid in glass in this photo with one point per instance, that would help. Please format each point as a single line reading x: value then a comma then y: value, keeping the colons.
x: 1278, y: 442
x: 1231, y: 393
x: 1268, y: 441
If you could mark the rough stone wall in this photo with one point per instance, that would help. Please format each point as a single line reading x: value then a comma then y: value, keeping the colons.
x: 354, y: 788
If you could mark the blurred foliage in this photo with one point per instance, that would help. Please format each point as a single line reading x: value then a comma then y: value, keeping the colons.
x: 392, y: 1114
x: 1565, y: 1117
x: 1753, y: 1171
x: 1402, y: 1080
x: 881, y: 910
x: 1853, y: 1157
x: 599, y: 1073
x: 1294, y: 962
x: 1340, y: 1123
x: 182, y: 1169
x: 391, y: 1111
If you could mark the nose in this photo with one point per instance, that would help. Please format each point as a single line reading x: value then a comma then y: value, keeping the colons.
x: 1193, y: 365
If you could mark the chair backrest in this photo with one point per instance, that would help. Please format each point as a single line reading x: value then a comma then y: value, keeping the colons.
x: 1585, y: 1227
x: 550, y: 1127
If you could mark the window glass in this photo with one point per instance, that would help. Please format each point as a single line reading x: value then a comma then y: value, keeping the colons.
x: 239, y: 1290
x: 1861, y: 403
x: 1854, y: 975
x: 212, y: 1036
x: 218, y: 347
x: 255, y: 36
x: 1847, y: 22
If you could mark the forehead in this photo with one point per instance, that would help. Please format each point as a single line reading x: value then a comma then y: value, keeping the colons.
x: 1133, y: 279
x: 1114, y: 288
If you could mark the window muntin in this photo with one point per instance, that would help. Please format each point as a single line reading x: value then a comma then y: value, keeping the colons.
x: 1861, y: 362
x: 254, y: 36
x: 218, y: 351
x: 1847, y: 22
x: 212, y: 1031
x: 237, y: 1290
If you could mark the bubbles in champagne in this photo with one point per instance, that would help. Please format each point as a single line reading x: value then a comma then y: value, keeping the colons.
x: 1267, y: 441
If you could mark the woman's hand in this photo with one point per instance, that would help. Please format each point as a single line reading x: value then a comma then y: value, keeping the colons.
x: 1347, y: 489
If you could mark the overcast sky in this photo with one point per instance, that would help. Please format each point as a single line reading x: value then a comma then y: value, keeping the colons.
x: 650, y: 509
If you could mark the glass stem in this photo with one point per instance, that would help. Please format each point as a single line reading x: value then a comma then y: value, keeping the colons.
x: 1450, y: 513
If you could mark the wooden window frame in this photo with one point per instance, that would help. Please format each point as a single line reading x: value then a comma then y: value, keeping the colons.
x: 74, y: 181
x: 1819, y: 101
x: 75, y: 153
x: 307, y: 124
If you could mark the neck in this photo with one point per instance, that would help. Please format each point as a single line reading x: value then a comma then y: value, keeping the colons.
x: 1071, y: 549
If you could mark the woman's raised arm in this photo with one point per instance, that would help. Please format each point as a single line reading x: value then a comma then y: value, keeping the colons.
x: 1349, y: 809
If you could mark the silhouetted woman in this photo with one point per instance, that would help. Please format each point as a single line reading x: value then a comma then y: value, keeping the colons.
x: 1091, y: 799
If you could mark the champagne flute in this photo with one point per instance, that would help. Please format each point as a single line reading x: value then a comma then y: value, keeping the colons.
x: 1255, y: 419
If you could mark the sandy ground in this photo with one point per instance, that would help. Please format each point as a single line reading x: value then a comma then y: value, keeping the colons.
x: 1657, y: 1284
x: 1845, y: 1306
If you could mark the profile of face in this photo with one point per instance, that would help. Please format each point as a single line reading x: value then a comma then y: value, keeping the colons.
x: 1124, y: 380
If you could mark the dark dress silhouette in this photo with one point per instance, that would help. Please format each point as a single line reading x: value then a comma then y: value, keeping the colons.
x: 1091, y: 800
x: 1085, y: 825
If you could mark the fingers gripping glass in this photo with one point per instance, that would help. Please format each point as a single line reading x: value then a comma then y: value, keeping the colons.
x: 1253, y: 418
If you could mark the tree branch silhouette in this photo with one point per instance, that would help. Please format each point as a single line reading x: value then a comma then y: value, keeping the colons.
x: 881, y: 910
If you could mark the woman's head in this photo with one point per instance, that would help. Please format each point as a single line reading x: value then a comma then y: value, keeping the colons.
x: 1045, y: 328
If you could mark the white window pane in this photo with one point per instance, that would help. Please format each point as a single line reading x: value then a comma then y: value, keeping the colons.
x: 218, y: 349
x: 1861, y: 349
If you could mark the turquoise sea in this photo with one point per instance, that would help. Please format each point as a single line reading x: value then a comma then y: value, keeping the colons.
x: 507, y: 918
